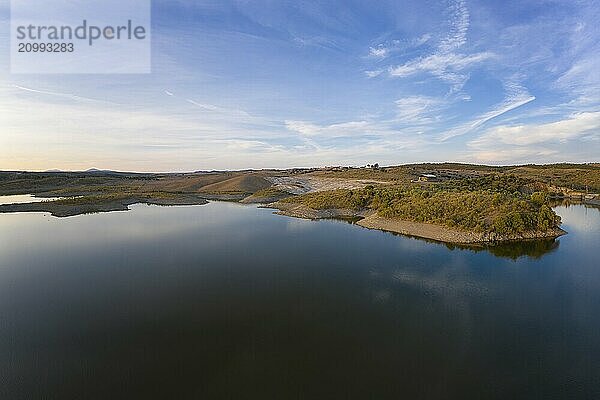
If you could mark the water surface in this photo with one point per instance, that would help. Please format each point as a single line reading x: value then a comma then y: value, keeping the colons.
x: 230, y: 301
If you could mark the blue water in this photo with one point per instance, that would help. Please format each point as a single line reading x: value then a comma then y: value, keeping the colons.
x: 231, y: 301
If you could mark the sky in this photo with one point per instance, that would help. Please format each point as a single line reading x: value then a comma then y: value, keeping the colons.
x: 241, y: 84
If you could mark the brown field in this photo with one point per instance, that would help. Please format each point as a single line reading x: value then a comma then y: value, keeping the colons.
x: 239, y: 184
x: 102, y: 191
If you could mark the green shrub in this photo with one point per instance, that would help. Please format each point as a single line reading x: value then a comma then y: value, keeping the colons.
x: 461, y: 205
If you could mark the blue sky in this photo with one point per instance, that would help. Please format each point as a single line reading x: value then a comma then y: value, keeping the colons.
x: 239, y: 84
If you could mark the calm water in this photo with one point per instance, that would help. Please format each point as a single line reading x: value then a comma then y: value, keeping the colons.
x: 230, y: 301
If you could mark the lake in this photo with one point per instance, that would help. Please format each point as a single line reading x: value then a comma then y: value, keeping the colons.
x: 231, y: 301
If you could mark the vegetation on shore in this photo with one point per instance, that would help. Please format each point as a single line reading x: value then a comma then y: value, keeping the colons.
x: 498, y: 200
x: 580, y: 177
x: 502, y: 206
x: 107, y: 202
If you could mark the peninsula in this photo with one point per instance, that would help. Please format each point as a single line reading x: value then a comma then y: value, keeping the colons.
x: 452, y: 203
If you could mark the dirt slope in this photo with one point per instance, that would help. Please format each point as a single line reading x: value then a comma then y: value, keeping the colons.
x: 238, y: 184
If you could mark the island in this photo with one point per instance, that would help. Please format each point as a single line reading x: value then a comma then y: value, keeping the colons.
x: 451, y: 203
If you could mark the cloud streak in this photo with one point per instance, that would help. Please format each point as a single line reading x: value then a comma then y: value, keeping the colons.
x: 575, y: 126
x: 247, y: 85
x: 384, y: 50
x: 517, y: 96
x: 418, y: 110
x: 59, y: 94
x: 539, y: 142
x: 446, y: 63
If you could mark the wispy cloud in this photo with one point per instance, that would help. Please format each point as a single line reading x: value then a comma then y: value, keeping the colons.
x: 236, y: 115
x: 391, y: 47
x: 440, y: 65
x: 539, y: 142
x: 379, y: 51
x: 582, y: 79
x: 418, y: 110
x: 365, y: 137
x: 505, y: 156
x: 446, y: 63
x: 344, y: 129
x: 448, y: 67
x: 59, y: 94
x: 516, y: 96
x: 460, y: 21
x: 274, y: 84
x: 560, y: 131
x: 374, y: 73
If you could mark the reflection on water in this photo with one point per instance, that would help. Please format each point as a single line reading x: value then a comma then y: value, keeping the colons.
x: 230, y: 301
x: 566, y: 203
x: 531, y: 248
x: 534, y: 249
x: 349, y: 219
x: 514, y: 249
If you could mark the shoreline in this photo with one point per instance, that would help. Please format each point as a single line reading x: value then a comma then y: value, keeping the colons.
x: 66, y: 208
x: 445, y: 234
x: 370, y: 220
x: 364, y: 218
x: 592, y: 202
x: 304, y: 212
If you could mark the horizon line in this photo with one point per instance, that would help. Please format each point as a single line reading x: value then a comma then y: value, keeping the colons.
x: 101, y: 170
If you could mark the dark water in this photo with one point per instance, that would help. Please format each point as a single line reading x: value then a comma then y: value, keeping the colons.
x: 229, y: 301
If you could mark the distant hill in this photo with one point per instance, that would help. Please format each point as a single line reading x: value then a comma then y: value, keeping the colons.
x: 238, y: 184
x: 103, y: 171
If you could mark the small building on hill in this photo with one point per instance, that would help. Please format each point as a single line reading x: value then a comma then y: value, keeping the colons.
x: 427, y: 178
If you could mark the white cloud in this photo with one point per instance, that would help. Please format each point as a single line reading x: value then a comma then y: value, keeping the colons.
x: 446, y: 63
x: 383, y: 50
x: 238, y: 115
x: 542, y: 142
x: 460, y: 22
x: 583, y: 77
x: 379, y: 52
x: 75, y: 134
x: 514, y: 156
x: 208, y: 107
x: 421, y: 40
x: 359, y: 136
x: 398, y: 132
x: 575, y: 126
x: 580, y: 61
x: 516, y: 96
x: 439, y: 64
x: 59, y: 94
x: 345, y: 129
x: 374, y: 73
x: 418, y: 110
x: 508, y: 105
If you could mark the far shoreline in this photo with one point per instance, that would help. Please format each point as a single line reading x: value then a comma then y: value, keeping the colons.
x: 364, y: 218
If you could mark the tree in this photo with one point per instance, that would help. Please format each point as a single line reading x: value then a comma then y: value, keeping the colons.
x: 539, y: 198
